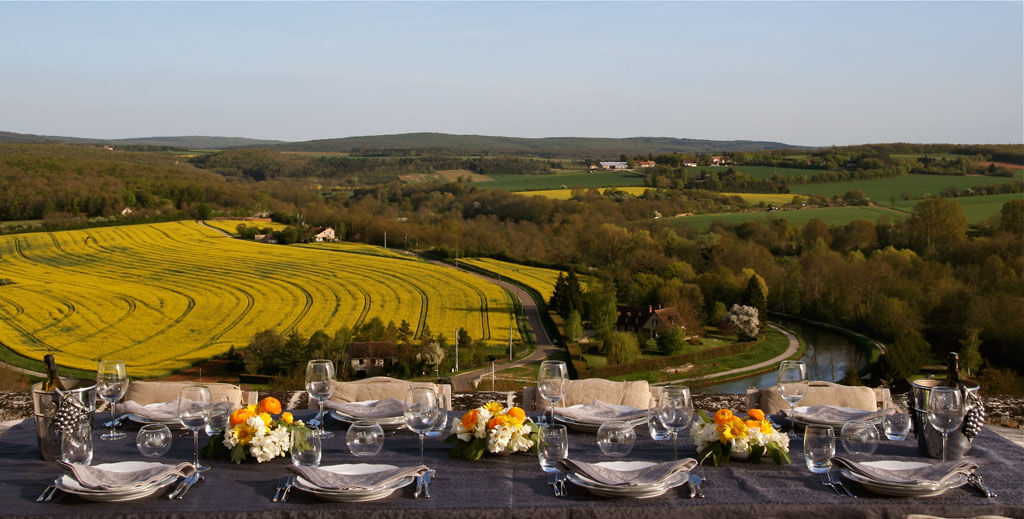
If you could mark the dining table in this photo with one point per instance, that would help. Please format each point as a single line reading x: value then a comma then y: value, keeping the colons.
x: 503, y: 486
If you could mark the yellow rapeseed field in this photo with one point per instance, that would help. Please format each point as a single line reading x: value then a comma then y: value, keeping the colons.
x: 164, y: 296
x: 540, y: 279
x: 566, y: 194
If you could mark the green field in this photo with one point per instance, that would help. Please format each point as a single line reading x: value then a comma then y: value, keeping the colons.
x: 976, y: 208
x: 761, y: 172
x: 881, y: 190
x: 830, y: 215
x: 569, y: 180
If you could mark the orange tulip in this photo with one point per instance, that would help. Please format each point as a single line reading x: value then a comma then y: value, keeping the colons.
x: 469, y: 419
x: 270, y: 405
x: 756, y: 414
x: 517, y: 412
x: 240, y: 416
x: 496, y: 421
x: 753, y: 424
x: 723, y: 416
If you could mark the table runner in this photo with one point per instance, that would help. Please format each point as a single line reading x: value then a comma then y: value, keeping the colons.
x: 496, y: 486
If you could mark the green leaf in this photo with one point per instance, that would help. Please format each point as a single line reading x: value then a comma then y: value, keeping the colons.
x: 452, y: 438
x: 755, y: 454
x: 238, y: 453
x: 704, y: 416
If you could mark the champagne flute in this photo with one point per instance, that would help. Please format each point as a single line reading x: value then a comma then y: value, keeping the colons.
x: 945, y: 411
x: 194, y: 413
x: 675, y: 410
x: 421, y: 411
x: 553, y: 383
x: 792, y: 384
x: 320, y: 386
x: 111, y: 385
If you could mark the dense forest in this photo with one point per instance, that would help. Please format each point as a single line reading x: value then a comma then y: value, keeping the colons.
x: 925, y: 285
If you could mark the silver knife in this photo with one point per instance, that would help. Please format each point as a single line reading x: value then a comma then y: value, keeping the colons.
x: 195, y: 478
x: 280, y: 488
x: 50, y: 489
x: 288, y: 488
x: 419, y: 487
x: 181, y: 485
x: 426, y: 483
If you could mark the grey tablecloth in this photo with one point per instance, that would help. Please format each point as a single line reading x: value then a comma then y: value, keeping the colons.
x: 495, y: 486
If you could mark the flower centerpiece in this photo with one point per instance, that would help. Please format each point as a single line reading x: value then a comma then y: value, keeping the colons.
x: 255, y: 433
x: 727, y: 435
x: 492, y: 428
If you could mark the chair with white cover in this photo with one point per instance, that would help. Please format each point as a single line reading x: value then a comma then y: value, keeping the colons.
x: 820, y: 392
x: 380, y: 388
x: 635, y: 393
x: 145, y: 392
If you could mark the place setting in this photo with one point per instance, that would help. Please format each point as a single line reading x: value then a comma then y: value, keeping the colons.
x: 421, y: 411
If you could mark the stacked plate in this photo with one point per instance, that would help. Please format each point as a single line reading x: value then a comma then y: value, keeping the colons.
x: 591, y: 425
x: 890, y: 488
x: 833, y: 416
x: 159, y: 416
x: 635, y: 492
x: 69, y: 484
x: 388, y: 423
x: 353, y: 495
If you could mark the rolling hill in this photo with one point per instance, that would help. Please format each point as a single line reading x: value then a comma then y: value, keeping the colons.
x: 545, y: 147
x: 188, y: 141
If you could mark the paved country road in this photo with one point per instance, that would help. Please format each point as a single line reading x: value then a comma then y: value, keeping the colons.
x: 463, y: 382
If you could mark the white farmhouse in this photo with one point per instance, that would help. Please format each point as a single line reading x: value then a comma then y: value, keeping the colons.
x: 325, y: 234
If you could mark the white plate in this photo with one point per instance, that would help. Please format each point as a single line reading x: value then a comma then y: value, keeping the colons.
x: 171, y: 424
x: 391, y: 423
x: 70, y: 485
x: 898, y: 489
x: 353, y: 496
x: 637, y: 492
x: 590, y: 427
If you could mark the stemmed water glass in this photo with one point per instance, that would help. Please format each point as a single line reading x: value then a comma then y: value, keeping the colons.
x: 194, y: 413
x: 438, y: 428
x: 111, y: 385
x: 320, y: 386
x: 945, y: 411
x: 792, y: 384
x: 675, y: 410
x: 553, y: 383
x: 421, y: 411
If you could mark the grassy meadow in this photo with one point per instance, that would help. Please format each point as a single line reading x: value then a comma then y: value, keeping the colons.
x: 165, y: 296
x: 830, y: 215
x: 882, y: 190
x: 564, y: 180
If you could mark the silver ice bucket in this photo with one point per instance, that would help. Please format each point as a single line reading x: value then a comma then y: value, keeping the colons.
x: 44, y: 408
x: 929, y: 440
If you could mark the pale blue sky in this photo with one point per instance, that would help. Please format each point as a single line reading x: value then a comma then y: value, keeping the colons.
x: 797, y: 72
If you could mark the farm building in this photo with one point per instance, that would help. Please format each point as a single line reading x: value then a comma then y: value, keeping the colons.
x: 647, y: 320
x: 614, y: 165
x: 324, y: 234
x: 645, y: 164
x: 366, y: 359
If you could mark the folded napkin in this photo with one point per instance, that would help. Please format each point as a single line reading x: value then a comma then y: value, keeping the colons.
x: 385, y: 408
x: 932, y: 475
x: 646, y: 476
x: 598, y: 412
x: 102, y: 479
x: 333, y: 481
x: 831, y: 415
x: 160, y: 411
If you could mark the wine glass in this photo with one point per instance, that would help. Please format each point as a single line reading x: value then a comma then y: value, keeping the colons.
x: 945, y: 411
x: 553, y: 383
x: 437, y: 430
x: 111, y: 385
x: 792, y: 383
x: 675, y: 409
x: 320, y: 386
x: 194, y: 413
x: 421, y: 411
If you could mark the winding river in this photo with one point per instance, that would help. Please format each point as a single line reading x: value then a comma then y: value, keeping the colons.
x: 828, y: 356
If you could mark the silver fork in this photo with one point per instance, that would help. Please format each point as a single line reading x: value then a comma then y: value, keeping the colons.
x: 48, y: 492
x: 827, y: 481
x: 834, y: 479
x: 562, y: 491
x: 553, y: 482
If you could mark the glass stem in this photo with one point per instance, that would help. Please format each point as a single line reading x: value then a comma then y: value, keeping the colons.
x: 320, y: 415
x: 112, y: 422
x: 421, y: 448
x: 943, y: 447
x: 675, y: 446
x: 195, y: 448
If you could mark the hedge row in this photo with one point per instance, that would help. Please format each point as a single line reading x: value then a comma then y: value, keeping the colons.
x: 662, y: 362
